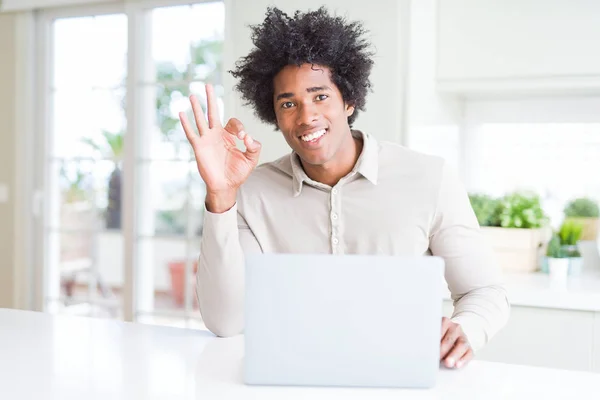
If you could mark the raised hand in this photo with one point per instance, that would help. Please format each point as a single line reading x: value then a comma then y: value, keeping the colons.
x: 222, y: 166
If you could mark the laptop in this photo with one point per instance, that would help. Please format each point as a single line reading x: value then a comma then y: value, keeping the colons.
x: 343, y: 320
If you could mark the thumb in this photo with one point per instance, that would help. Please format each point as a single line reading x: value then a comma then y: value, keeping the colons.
x: 252, y: 148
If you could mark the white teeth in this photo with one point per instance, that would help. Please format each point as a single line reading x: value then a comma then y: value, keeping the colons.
x: 313, y: 136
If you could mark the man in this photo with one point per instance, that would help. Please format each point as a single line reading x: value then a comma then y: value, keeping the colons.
x: 340, y: 191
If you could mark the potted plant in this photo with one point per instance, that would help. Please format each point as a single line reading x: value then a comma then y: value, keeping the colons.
x: 177, y: 275
x: 516, y: 227
x: 173, y: 222
x: 585, y: 211
x: 558, y: 259
x: 76, y: 212
x: 569, y: 234
x: 111, y: 147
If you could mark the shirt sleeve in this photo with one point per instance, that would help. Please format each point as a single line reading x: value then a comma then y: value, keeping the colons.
x: 220, y: 278
x: 472, y: 273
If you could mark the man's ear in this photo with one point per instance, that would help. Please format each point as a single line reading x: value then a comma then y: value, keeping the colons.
x: 349, y: 109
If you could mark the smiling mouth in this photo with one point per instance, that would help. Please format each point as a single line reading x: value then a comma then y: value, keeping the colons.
x: 311, y: 137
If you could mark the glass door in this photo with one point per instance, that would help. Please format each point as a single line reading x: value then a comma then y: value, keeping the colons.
x: 120, y: 178
x: 170, y: 192
x: 82, y: 165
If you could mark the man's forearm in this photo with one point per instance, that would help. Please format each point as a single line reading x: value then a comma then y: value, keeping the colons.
x: 482, y: 313
x: 220, y: 276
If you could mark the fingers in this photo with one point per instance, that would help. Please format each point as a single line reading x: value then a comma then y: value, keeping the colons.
x: 236, y: 128
x: 460, y: 354
x: 468, y: 356
x: 213, y: 109
x: 252, y: 148
x: 455, y: 350
x: 453, y: 332
x: 199, y: 115
x: 187, y: 128
x: 446, y: 323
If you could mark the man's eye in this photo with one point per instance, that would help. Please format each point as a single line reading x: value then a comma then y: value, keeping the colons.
x: 287, y: 104
x: 322, y: 97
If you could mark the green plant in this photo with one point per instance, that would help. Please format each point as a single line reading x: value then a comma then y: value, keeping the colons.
x: 485, y: 208
x: 570, y: 232
x: 582, y: 208
x: 206, y: 65
x: 170, y: 222
x: 74, y: 190
x: 555, y: 250
x: 111, y: 145
x: 521, y: 210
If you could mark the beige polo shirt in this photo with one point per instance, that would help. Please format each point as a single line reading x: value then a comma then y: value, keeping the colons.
x: 394, y: 202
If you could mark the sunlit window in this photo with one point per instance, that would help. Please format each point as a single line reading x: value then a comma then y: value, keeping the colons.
x: 558, y: 161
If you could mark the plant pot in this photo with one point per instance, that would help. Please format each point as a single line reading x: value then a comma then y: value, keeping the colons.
x: 590, y: 227
x: 78, y: 216
x: 517, y: 250
x: 558, y: 268
x: 544, y: 265
x: 177, y: 272
x: 590, y: 252
x: 575, y: 266
x: 113, y: 209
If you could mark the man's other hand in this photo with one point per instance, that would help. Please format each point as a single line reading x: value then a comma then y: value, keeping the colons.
x: 455, y: 350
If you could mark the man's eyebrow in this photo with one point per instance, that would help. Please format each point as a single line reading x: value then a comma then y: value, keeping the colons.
x: 285, y: 95
x: 317, y: 89
x: 313, y: 89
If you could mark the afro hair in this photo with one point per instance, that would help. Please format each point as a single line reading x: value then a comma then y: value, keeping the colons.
x: 315, y: 38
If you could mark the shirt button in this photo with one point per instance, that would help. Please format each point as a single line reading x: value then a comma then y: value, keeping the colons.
x: 334, y: 216
x: 334, y: 191
x: 335, y: 240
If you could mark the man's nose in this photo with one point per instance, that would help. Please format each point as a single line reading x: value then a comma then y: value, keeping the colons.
x: 307, y: 114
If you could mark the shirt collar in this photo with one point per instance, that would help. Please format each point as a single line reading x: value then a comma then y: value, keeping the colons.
x: 367, y: 164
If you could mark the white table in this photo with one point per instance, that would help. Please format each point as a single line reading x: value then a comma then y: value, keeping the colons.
x: 59, y: 357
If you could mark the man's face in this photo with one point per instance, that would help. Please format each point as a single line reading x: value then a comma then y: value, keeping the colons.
x: 310, y: 112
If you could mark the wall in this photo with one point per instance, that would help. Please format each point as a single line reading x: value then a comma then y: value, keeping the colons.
x: 385, y: 107
x: 7, y: 158
x: 16, y: 158
x: 583, y: 109
x: 433, y: 121
x: 518, y: 39
x: 426, y: 107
